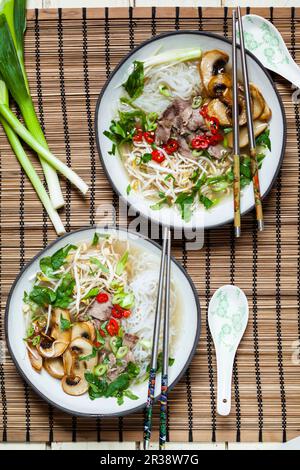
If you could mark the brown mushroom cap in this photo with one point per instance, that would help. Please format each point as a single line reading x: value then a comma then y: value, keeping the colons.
x: 212, y: 63
x: 35, y: 359
x: 55, y: 345
x: 74, y: 385
x: 266, y: 114
x: 218, y: 84
x: 83, y: 329
x: 82, y: 347
x: 55, y: 367
x: 219, y: 110
x: 258, y: 102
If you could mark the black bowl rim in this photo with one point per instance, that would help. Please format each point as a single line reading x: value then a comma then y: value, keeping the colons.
x: 199, y: 33
x: 44, y: 250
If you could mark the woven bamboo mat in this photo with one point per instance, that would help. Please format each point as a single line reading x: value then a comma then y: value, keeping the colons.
x: 69, y: 55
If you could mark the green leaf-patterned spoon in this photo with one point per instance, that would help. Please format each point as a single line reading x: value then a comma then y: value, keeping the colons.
x: 266, y: 43
x: 228, y: 314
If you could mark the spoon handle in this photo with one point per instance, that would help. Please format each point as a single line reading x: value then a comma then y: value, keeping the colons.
x: 225, y: 368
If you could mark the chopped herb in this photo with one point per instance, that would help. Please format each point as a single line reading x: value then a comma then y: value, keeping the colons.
x: 64, y: 292
x: 92, y: 293
x: 65, y: 324
x: 29, y: 332
x: 147, y: 157
x: 264, y: 139
x: 227, y: 130
x: 128, y: 189
x: 42, y: 296
x: 49, y: 264
x: 205, y: 201
x: 122, y: 264
x: 99, y: 265
x: 135, y: 82
x: 169, y: 176
x: 90, y: 356
x: 129, y: 394
x: 133, y: 370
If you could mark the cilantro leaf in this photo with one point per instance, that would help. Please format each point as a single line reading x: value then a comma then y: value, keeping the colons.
x: 135, y: 82
x: 264, y: 139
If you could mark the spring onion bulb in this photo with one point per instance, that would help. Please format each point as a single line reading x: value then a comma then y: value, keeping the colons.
x: 29, y: 169
x: 12, y: 69
x: 46, y: 155
x: 177, y: 55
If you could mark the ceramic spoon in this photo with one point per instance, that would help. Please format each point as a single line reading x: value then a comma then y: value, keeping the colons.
x: 228, y: 314
x: 266, y: 43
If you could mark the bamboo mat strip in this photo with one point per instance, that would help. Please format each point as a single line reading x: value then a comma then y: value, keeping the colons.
x: 69, y: 55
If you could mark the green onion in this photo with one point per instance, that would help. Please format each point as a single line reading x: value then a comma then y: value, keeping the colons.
x: 46, y: 155
x: 28, y: 167
x: 177, y: 55
x: 197, y: 153
x: 100, y: 370
x: 164, y: 90
x: 197, y: 101
x: 12, y: 15
x: 122, y: 351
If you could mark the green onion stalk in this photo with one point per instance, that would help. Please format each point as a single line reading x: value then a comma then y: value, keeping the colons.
x: 12, y: 69
x: 28, y: 167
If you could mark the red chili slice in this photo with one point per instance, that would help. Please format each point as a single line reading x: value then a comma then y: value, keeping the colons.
x: 149, y: 137
x: 112, y: 327
x: 116, y: 313
x: 214, y: 124
x: 126, y: 313
x: 215, y: 139
x: 200, y: 142
x: 171, y: 146
x: 158, y: 156
x: 102, y: 333
x: 203, y: 111
x: 102, y: 298
x: 138, y: 137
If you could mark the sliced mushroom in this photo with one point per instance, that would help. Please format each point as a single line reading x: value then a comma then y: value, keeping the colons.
x: 218, y: 84
x: 83, y: 329
x: 76, y: 385
x: 84, y: 348
x: 266, y: 114
x: 212, y: 63
x: 35, y: 359
x: 55, y: 367
x: 219, y: 110
x: 258, y: 127
x: 68, y: 362
x: 258, y: 102
x: 51, y: 349
x: 55, y: 345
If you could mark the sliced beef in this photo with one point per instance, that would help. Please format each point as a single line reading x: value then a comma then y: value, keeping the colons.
x: 130, y: 340
x: 196, y: 121
x: 100, y: 311
x: 184, y: 146
x: 217, y: 151
x: 172, y: 118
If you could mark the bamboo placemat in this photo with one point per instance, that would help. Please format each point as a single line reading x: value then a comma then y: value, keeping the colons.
x: 69, y: 55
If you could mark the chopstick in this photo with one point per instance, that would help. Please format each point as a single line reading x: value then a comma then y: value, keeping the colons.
x: 236, y: 133
x: 254, y: 166
x: 165, y: 363
x: 164, y: 268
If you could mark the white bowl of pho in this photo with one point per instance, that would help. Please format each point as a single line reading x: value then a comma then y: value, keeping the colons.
x: 79, y: 321
x: 164, y: 130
